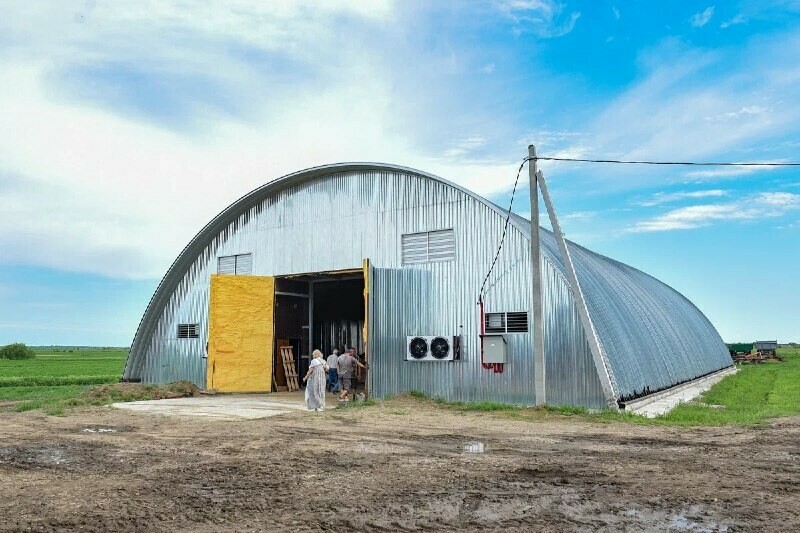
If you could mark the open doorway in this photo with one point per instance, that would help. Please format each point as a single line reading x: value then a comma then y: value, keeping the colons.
x: 325, y: 311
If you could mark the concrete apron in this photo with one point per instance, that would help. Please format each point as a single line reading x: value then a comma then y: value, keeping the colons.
x: 663, y: 402
x: 225, y: 406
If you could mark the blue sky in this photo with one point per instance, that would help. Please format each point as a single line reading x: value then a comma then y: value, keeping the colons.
x: 126, y: 126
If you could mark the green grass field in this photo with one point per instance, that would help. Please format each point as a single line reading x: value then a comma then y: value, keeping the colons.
x: 753, y: 395
x: 56, y: 374
x: 59, y: 377
x: 757, y: 392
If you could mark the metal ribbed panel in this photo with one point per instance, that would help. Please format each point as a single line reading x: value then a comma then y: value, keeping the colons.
x: 569, y: 367
x: 652, y: 336
x: 331, y: 218
x: 296, y: 230
x: 440, y: 298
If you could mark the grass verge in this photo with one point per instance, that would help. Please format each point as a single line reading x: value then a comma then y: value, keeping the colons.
x: 55, y: 381
x: 356, y: 405
x: 755, y: 394
x: 55, y: 402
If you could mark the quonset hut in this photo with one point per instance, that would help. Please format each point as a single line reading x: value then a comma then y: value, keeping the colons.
x: 390, y: 260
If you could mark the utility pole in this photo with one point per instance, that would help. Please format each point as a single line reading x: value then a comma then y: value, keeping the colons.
x: 601, y: 365
x: 539, y: 367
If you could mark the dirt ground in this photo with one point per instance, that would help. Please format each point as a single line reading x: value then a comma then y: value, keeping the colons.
x: 398, y: 466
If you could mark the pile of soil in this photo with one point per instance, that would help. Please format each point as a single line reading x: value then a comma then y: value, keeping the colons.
x: 128, y: 392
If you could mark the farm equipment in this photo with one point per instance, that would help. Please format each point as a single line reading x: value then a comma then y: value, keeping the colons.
x: 740, y: 349
x: 766, y: 347
x: 742, y: 352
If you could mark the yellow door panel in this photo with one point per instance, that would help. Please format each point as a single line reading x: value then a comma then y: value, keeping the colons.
x: 240, y: 333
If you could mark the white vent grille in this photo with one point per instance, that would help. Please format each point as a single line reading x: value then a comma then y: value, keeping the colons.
x: 507, y: 322
x: 428, y: 246
x: 235, y: 264
x: 244, y: 264
x: 188, y: 331
x: 226, y: 265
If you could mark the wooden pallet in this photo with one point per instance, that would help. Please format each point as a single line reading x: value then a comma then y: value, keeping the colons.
x: 289, y: 370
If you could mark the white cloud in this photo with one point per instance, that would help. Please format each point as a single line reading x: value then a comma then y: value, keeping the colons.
x: 746, y: 110
x: 660, y: 198
x: 465, y: 145
x: 726, y: 172
x: 579, y: 215
x: 686, y: 109
x: 763, y: 205
x: 544, y: 18
x: 488, y: 68
x: 791, y: 225
x: 615, y: 11
x: 738, y: 19
x: 558, y: 143
x: 105, y: 187
x: 698, y: 20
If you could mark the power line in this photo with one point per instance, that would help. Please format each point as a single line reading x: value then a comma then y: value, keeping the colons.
x: 505, y: 229
x: 688, y: 163
x: 614, y: 161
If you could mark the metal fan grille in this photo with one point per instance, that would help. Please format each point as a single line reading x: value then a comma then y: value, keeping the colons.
x: 418, y: 348
x: 440, y: 348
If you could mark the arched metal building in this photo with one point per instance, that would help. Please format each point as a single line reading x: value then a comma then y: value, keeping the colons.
x: 368, y: 254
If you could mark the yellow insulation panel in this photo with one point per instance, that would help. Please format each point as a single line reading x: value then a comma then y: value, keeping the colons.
x: 365, y: 331
x: 240, y: 333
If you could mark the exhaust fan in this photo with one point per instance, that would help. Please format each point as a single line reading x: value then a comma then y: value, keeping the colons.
x: 430, y: 348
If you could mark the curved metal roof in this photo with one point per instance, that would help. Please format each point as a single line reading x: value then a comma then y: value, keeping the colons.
x: 189, y: 254
x: 652, y: 336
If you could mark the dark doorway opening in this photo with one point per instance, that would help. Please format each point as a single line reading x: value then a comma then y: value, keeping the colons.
x: 291, y: 328
x: 339, y: 315
x: 323, y: 311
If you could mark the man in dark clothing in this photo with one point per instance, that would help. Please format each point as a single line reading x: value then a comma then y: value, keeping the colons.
x: 347, y: 367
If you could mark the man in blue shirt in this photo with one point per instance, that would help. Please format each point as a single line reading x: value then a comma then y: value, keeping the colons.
x: 333, y: 371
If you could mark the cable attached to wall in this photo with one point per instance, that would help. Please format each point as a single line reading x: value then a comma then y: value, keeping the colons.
x: 505, y: 230
x: 613, y: 161
x: 498, y: 368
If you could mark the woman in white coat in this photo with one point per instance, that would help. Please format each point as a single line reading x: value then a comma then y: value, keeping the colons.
x: 315, y: 380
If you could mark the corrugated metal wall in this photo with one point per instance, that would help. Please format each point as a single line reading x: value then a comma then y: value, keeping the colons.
x: 331, y: 218
x: 335, y: 222
x: 652, y: 336
x: 571, y: 377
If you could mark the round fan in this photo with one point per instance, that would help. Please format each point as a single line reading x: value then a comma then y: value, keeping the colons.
x: 440, y: 348
x: 418, y: 348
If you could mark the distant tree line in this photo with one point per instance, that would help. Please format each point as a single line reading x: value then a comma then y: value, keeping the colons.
x: 16, y: 351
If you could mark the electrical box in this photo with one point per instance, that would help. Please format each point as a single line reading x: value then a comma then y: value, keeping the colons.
x: 494, y: 349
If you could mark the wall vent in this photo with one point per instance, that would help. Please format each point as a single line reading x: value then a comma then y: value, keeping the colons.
x: 428, y: 246
x: 507, y: 322
x: 188, y: 331
x: 241, y: 264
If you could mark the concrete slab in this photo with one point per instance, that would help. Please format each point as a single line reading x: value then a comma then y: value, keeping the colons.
x: 663, y: 402
x: 225, y: 406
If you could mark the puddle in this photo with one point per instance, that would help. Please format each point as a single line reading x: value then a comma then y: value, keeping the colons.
x: 474, y: 447
x: 681, y: 522
x: 99, y: 430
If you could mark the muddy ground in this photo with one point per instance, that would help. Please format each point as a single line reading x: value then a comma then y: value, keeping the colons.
x: 399, y: 466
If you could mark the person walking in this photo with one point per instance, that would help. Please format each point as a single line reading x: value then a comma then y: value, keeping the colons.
x: 347, y: 365
x: 315, y: 382
x: 333, y: 371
